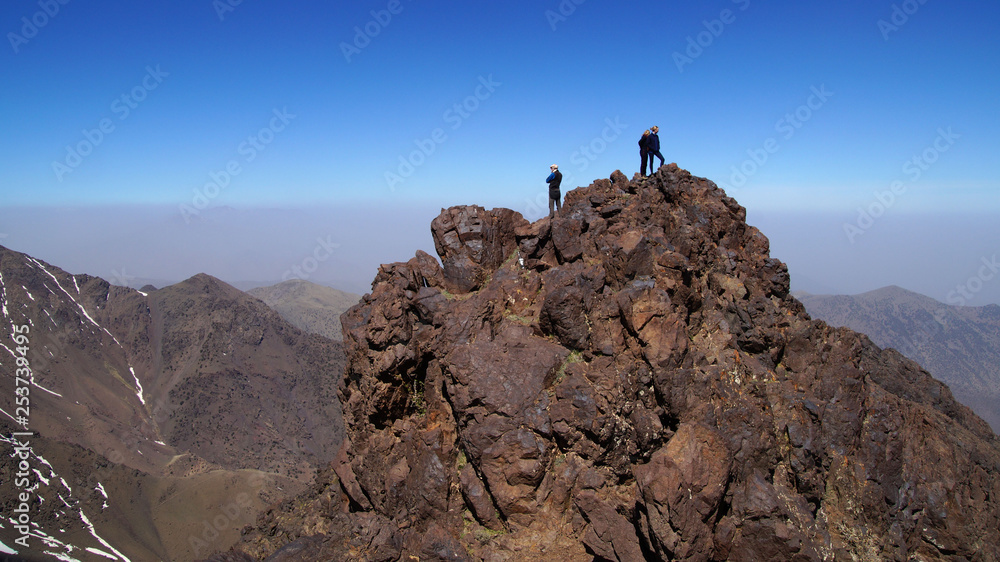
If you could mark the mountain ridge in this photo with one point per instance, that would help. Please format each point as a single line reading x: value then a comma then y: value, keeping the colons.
x: 958, y: 345
x: 173, y: 403
x: 629, y: 380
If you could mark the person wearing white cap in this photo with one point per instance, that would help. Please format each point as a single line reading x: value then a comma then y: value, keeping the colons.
x: 555, y: 196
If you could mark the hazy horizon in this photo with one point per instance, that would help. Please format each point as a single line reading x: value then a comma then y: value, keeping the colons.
x: 343, y: 246
x: 155, y: 141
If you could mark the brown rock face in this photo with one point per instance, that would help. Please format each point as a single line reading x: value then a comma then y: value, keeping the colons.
x: 631, y: 380
x: 472, y: 243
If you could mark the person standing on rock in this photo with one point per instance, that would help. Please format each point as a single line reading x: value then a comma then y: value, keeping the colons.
x: 643, y: 151
x: 653, y: 144
x: 555, y: 196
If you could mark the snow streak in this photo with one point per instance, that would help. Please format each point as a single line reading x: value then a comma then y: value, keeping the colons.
x: 61, y: 550
x: 92, y: 321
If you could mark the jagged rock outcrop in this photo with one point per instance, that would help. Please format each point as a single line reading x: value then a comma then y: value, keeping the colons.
x: 630, y: 380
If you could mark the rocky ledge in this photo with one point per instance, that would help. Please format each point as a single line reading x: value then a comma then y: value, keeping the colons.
x: 630, y: 380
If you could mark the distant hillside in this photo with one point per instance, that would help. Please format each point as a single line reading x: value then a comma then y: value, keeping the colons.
x: 307, y: 306
x: 245, y: 388
x: 86, y: 507
x: 160, y: 423
x: 958, y: 345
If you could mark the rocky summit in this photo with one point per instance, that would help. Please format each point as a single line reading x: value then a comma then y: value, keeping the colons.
x: 630, y: 380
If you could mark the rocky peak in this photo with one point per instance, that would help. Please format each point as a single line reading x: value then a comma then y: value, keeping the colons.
x: 631, y: 380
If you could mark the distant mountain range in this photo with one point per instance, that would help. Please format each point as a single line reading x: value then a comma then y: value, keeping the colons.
x: 307, y: 306
x: 628, y: 380
x: 160, y: 423
x: 959, y: 345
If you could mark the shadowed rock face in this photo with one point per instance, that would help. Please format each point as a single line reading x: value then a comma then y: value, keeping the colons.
x: 473, y: 242
x: 631, y: 380
x: 959, y: 345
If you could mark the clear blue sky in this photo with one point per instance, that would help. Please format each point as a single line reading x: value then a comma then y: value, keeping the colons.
x: 222, y: 77
x: 199, y: 78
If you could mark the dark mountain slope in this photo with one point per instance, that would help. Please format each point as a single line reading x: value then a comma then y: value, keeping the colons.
x: 182, y: 399
x: 86, y: 387
x: 957, y: 344
x: 243, y: 387
x: 628, y: 381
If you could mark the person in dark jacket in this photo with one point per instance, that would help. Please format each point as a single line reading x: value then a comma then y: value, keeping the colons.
x: 555, y: 196
x: 653, y: 144
x: 643, y: 152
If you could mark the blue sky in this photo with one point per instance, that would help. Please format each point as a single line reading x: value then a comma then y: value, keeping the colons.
x: 793, y: 107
